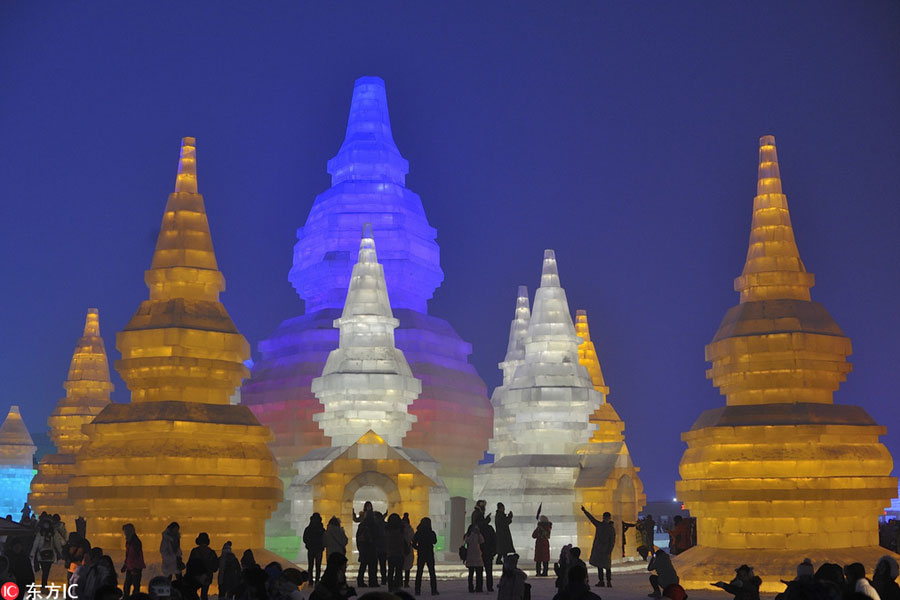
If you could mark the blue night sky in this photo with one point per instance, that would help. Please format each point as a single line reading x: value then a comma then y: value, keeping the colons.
x: 623, y: 135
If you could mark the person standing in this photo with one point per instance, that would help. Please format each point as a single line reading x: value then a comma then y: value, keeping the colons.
x: 502, y: 519
x: 73, y: 554
x: 541, y: 535
x: 488, y: 550
x: 202, y: 564
x: 335, y: 537
x: 365, y: 544
x: 44, y: 551
x: 134, y: 564
x: 20, y: 566
x: 604, y: 542
x: 314, y: 540
x: 478, y: 513
x: 394, y: 542
x: 512, y: 584
x: 408, y: 556
x: 229, y: 572
x: 423, y: 541
x: 170, y: 551
x: 474, y: 561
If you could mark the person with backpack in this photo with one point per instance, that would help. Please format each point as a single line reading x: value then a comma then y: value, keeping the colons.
x: 45, y: 551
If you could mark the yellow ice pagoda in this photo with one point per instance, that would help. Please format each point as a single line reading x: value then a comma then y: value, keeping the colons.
x: 87, y: 393
x: 179, y: 451
x: 780, y: 473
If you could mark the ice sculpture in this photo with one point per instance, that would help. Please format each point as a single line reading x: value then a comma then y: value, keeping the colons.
x: 780, y: 473
x: 366, y: 389
x: 179, y: 451
x: 87, y: 392
x: 454, y: 417
x: 16, y: 463
x: 557, y: 443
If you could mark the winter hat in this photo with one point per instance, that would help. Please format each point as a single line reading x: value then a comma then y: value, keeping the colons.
x: 202, y: 539
x: 544, y: 519
x: 226, y: 547
x: 894, y: 569
x: 806, y: 569
x: 674, y: 591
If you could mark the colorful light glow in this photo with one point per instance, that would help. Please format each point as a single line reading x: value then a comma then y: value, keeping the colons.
x: 453, y: 412
x: 16, y: 469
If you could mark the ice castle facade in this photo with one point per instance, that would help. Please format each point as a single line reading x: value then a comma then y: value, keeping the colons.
x: 16, y: 463
x: 366, y: 389
x: 453, y: 413
x: 557, y: 443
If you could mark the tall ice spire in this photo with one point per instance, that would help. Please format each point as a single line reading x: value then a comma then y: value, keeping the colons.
x: 16, y: 455
x: 773, y: 269
x: 87, y: 392
x: 179, y: 451
x: 367, y: 383
x: 515, y: 350
x: 587, y: 354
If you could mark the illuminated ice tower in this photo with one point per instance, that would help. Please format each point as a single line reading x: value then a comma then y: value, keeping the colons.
x: 555, y: 443
x: 87, y: 392
x: 16, y: 463
x: 368, y: 185
x: 179, y: 451
x: 780, y: 472
x: 366, y: 388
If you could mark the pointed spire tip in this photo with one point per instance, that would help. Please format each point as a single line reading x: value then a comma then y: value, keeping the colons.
x: 186, y: 180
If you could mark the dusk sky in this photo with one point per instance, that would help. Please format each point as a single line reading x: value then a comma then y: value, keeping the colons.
x: 623, y: 135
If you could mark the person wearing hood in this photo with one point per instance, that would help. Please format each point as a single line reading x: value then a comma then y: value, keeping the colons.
x: 541, y: 535
x: 502, y: 519
x: 604, y: 543
x: 884, y: 578
x: 577, y: 586
x: 201, y: 565
x: 229, y: 572
x: 170, y: 551
x: 287, y: 585
x: 335, y: 537
x: 314, y: 540
x: 423, y: 541
x: 665, y: 573
x: 857, y: 582
x: 134, y: 564
x: 512, y: 584
x: 744, y: 586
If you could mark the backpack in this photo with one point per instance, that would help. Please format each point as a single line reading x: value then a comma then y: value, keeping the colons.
x: 463, y: 552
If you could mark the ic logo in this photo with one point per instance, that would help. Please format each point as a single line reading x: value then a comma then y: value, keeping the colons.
x: 9, y: 591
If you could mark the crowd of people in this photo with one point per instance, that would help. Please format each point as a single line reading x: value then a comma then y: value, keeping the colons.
x: 388, y: 548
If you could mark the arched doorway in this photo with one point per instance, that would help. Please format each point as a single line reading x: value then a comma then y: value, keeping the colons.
x: 372, y: 486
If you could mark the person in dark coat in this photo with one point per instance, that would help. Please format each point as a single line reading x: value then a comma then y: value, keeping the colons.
x: 541, y: 535
x: 423, y: 541
x: 577, y: 586
x: 394, y: 549
x: 73, y: 553
x: 229, y: 572
x: 378, y: 520
x: 488, y: 550
x: 201, y: 565
x: 365, y: 544
x: 744, y: 586
x: 134, y: 564
x: 333, y: 585
x: 665, y: 572
x: 314, y: 540
x: 502, y: 519
x: 604, y: 542
x: 884, y: 578
x: 20, y: 567
x: 478, y: 513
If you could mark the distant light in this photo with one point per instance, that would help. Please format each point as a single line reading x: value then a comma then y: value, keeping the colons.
x: 674, y: 499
